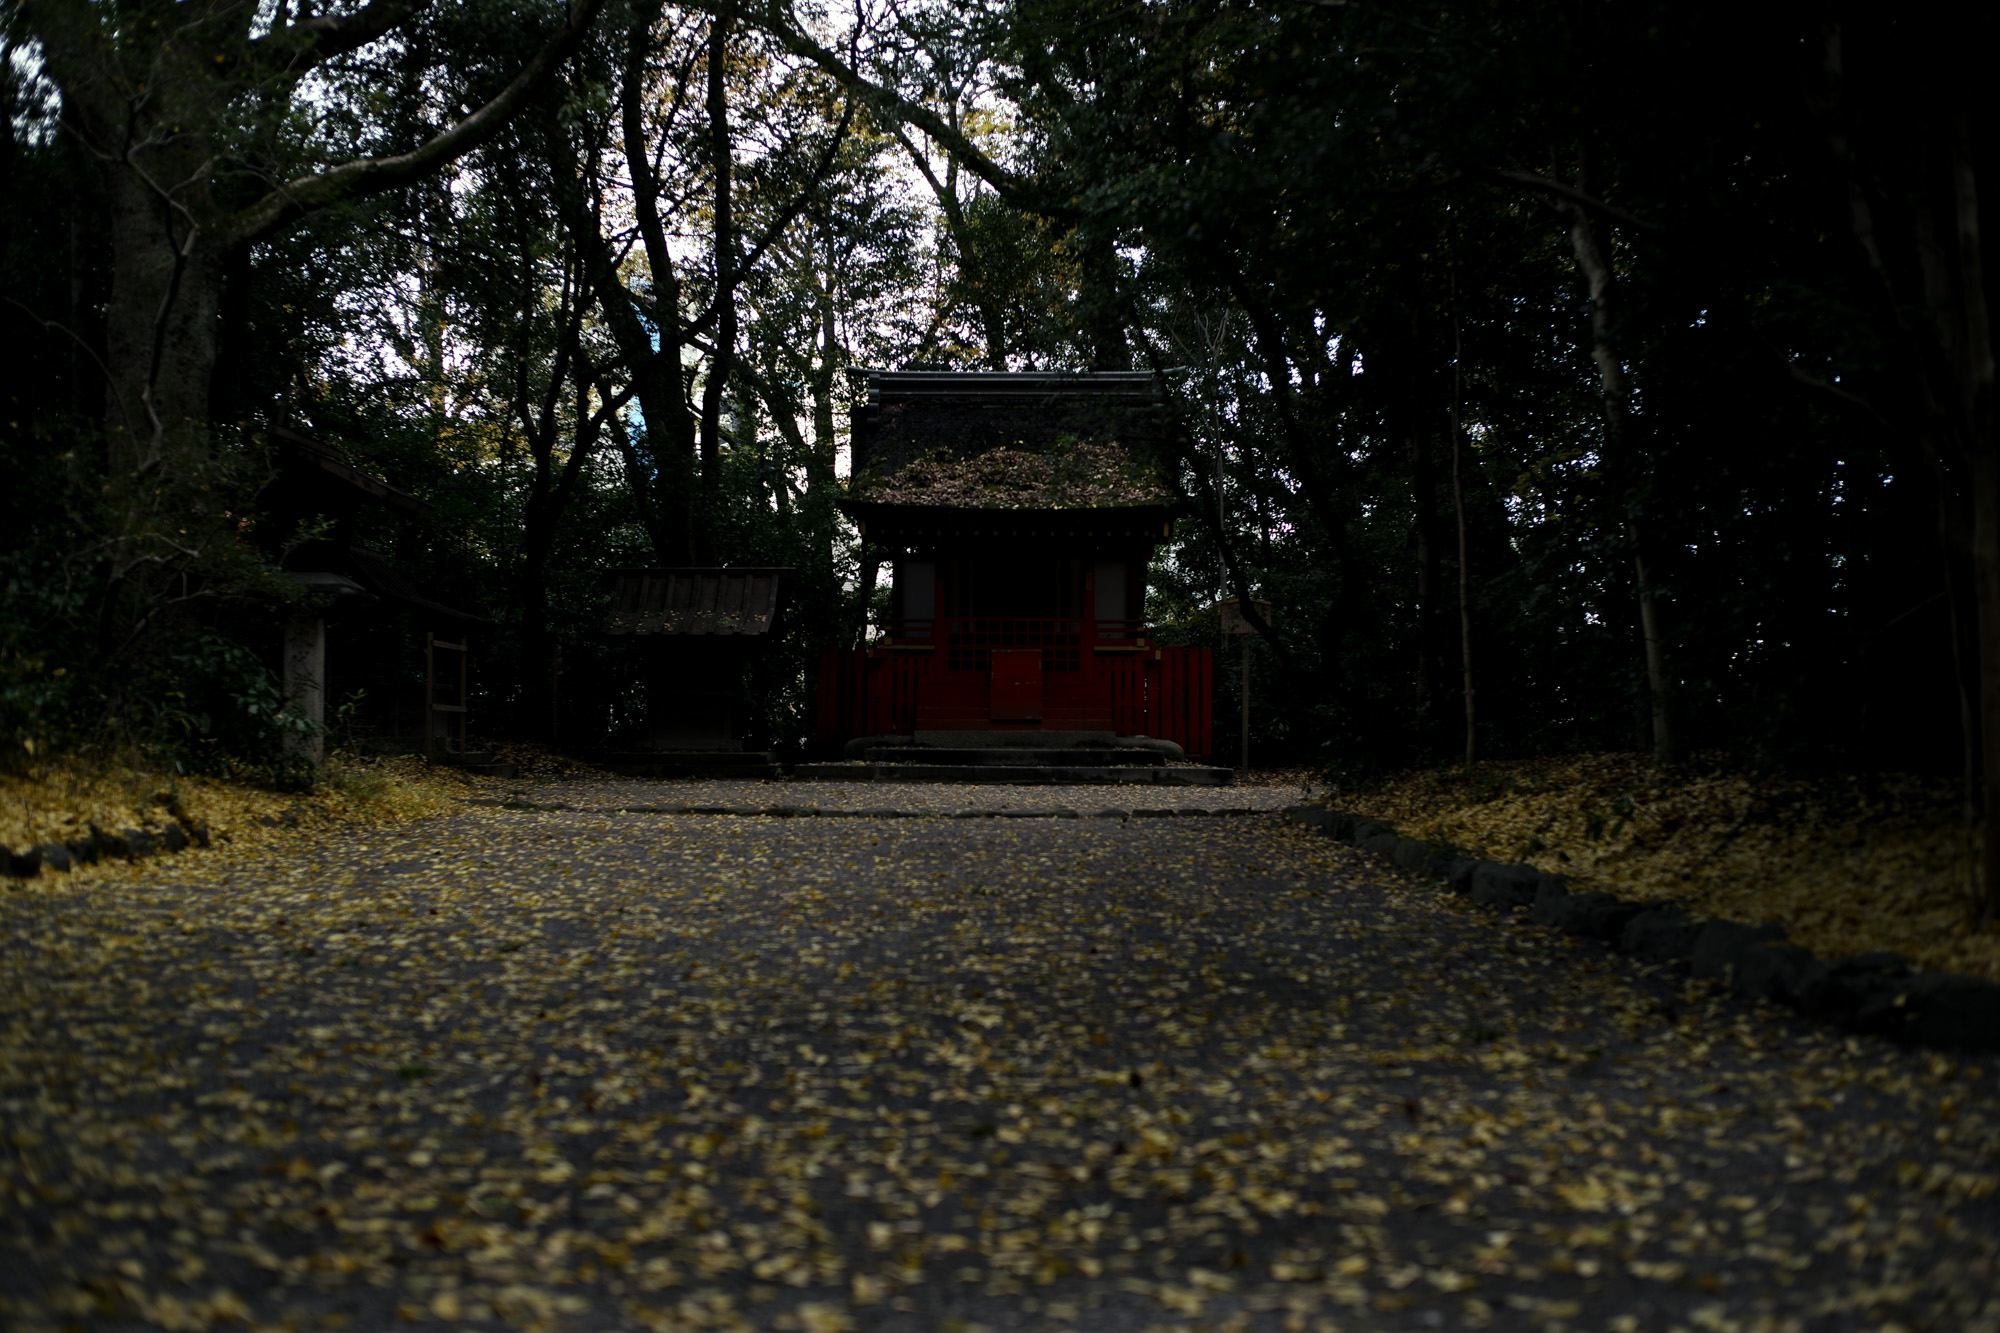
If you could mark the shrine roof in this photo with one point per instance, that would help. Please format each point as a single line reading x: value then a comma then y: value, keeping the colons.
x: 674, y: 602
x: 990, y: 440
x: 899, y: 524
x: 324, y: 466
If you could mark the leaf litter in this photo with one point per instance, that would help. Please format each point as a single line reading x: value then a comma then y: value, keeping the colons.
x: 1845, y: 864
x: 65, y: 798
x: 570, y: 1071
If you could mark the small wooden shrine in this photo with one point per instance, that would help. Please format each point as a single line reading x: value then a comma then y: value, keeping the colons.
x: 699, y: 629
x: 1019, y: 513
x: 366, y: 633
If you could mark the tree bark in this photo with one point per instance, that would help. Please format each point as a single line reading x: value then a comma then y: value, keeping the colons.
x: 1966, y: 307
x: 721, y: 151
x: 159, y: 323
x: 822, y: 486
x: 153, y: 111
x: 659, y: 467
x: 552, y: 487
x: 1464, y: 545
x: 1596, y: 269
x: 1417, y: 410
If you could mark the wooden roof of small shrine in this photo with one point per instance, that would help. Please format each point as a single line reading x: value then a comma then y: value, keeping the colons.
x: 323, y: 468
x: 315, y: 478
x: 662, y: 603
x: 1021, y: 442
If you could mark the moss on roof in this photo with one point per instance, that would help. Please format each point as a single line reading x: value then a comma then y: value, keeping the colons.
x: 1070, y: 474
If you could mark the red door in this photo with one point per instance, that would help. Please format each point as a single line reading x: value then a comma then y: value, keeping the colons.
x: 1017, y: 685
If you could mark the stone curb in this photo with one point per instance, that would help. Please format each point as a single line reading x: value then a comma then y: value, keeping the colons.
x: 128, y: 844
x: 826, y: 812
x: 1872, y: 994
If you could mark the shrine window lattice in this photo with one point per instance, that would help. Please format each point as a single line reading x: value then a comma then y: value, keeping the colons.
x: 969, y: 645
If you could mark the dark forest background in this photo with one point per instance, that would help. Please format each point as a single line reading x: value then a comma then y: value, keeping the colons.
x: 1636, y: 355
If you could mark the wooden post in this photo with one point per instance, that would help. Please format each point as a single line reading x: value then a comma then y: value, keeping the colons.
x: 1230, y: 620
x: 1245, y: 765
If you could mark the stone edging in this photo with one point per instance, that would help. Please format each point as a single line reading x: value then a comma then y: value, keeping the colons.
x: 827, y: 812
x: 128, y: 844
x: 1876, y: 994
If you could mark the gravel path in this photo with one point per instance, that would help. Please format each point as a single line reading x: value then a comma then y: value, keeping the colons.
x: 577, y: 1071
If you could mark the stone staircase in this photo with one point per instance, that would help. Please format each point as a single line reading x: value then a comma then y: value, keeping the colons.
x: 1087, y: 758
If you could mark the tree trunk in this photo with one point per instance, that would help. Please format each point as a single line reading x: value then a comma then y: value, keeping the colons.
x: 160, y: 321
x: 160, y: 140
x: 720, y: 152
x: 1416, y: 410
x: 1464, y: 545
x: 871, y: 566
x: 1596, y: 268
x: 660, y: 466
x: 549, y: 496
x: 1975, y: 402
x: 639, y: 481
x: 822, y: 486
x: 226, y: 405
x: 1985, y: 471
x: 1103, y: 308
x: 1917, y: 161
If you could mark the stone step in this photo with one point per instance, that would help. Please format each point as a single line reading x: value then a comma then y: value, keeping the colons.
x: 1044, y: 774
x: 1017, y: 757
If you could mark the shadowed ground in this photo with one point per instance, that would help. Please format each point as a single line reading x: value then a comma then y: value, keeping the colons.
x: 574, y: 1070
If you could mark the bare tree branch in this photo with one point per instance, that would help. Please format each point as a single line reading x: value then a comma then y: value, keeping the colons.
x: 788, y: 216
x: 312, y: 41
x: 1572, y: 195
x: 358, y: 179
x: 1015, y: 188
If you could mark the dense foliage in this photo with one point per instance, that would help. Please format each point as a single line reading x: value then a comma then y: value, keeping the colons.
x: 1617, y: 373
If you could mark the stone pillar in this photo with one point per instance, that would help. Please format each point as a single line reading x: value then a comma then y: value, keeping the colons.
x: 305, y: 682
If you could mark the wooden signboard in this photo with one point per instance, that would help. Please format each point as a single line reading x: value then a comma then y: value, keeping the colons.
x: 1233, y: 621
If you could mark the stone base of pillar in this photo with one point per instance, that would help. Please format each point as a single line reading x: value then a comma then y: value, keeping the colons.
x: 305, y: 683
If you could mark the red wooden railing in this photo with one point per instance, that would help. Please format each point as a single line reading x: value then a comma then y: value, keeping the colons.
x: 1166, y: 692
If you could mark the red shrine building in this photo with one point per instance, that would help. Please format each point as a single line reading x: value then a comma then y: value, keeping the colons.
x: 1018, y: 514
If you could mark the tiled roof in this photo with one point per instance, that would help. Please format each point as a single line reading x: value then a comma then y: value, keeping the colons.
x: 694, y: 601
x: 990, y: 440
